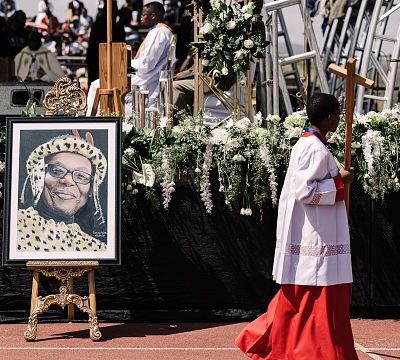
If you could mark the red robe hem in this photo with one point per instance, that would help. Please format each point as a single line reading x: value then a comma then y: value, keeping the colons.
x: 302, y: 323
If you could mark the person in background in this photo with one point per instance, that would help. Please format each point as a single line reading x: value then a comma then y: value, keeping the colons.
x: 86, y: 20
x: 76, y: 7
x: 14, y: 36
x: 44, y: 5
x: 7, y: 8
x: 153, y: 53
x: 309, y: 318
x: 151, y: 57
x: 37, y: 63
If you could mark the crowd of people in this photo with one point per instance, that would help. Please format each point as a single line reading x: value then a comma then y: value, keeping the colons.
x: 76, y: 36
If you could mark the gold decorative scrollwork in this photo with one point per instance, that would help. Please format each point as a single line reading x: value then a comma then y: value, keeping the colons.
x: 62, y: 299
x: 65, y: 97
x: 64, y: 271
x: 63, y: 274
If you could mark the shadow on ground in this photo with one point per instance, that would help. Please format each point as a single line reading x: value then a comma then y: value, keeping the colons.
x: 116, y: 331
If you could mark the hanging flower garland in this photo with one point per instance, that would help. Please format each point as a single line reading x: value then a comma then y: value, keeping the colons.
x: 250, y: 160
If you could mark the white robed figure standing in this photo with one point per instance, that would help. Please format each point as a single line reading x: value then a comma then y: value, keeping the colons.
x: 152, y: 56
x: 309, y: 318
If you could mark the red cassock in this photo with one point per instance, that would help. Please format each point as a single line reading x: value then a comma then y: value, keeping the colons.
x: 302, y: 323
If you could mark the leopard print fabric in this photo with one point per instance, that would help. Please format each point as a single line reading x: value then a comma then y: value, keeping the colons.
x: 35, y: 233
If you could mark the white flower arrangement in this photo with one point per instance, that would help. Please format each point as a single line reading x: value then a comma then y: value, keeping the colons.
x: 250, y: 161
x: 229, y: 28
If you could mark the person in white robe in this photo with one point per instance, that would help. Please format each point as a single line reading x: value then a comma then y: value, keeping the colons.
x: 309, y: 318
x: 37, y: 63
x: 151, y: 58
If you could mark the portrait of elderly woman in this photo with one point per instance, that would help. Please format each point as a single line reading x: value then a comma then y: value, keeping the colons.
x: 59, y: 206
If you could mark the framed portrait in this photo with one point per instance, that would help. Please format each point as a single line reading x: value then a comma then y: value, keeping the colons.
x: 62, y: 195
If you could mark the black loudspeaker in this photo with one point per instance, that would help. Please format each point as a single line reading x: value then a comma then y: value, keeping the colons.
x: 15, y: 95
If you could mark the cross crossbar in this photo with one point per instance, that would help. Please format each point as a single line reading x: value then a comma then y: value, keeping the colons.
x: 358, y: 79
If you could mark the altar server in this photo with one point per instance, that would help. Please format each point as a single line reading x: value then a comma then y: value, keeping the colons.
x: 309, y: 318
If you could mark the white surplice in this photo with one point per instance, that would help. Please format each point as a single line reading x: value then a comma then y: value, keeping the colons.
x: 313, y: 241
x: 152, y: 58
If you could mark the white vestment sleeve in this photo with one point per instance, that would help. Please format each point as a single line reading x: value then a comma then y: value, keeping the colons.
x: 310, y: 179
x: 156, y: 42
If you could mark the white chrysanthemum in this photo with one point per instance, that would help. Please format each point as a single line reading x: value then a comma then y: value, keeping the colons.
x: 293, y: 132
x: 239, y: 54
x: 334, y: 138
x: 206, y: 28
x: 229, y: 124
x: 215, y: 4
x: 297, y: 119
x: 219, y: 136
x: 127, y: 127
x: 274, y: 119
x: 204, y: 62
x: 238, y: 158
x: 177, y: 129
x: 230, y: 25
x: 248, y: 44
x: 224, y: 71
x: 248, y: 8
x: 129, y: 152
x: 243, y: 123
x: 232, y: 144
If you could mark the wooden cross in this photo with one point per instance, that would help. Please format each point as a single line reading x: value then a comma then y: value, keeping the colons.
x: 351, y: 79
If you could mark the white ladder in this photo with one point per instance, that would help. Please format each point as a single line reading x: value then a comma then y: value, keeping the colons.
x: 278, y: 77
x: 371, y: 60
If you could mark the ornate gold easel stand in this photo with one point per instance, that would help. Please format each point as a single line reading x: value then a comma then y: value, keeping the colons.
x: 64, y: 271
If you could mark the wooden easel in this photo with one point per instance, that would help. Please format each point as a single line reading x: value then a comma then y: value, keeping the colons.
x: 351, y: 79
x: 64, y: 271
x: 112, y: 95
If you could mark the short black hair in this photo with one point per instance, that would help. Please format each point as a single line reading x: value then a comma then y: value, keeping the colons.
x: 155, y: 7
x: 320, y: 106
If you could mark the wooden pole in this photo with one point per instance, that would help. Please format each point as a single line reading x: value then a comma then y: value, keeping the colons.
x: 196, y: 58
x: 351, y: 80
x: 35, y: 290
x: 350, y: 96
x: 92, y: 291
x: 71, y: 308
x: 109, y: 40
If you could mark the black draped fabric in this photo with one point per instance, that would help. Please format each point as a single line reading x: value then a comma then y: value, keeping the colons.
x: 183, y: 264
